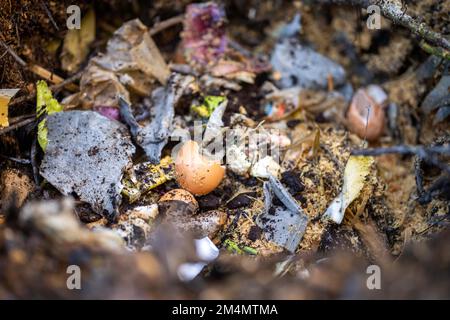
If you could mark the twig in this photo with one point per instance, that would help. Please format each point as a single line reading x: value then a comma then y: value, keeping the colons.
x: 18, y: 160
x: 53, y: 88
x: 38, y: 70
x: 49, y: 14
x: 426, y: 153
x: 403, y: 149
x: 16, y: 126
x: 436, y: 51
x: 18, y: 59
x: 158, y: 27
x: 395, y: 13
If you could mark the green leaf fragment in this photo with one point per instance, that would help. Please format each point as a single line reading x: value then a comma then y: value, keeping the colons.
x: 232, y: 247
x: 45, y: 105
x: 210, y: 103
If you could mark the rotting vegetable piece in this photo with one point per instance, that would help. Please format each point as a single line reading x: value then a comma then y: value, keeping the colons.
x: 366, y: 114
x: 178, y: 202
x: 356, y: 171
x: 195, y: 172
x: 86, y: 155
x: 205, y: 45
x: 154, y: 135
x: 286, y: 225
x: 146, y: 176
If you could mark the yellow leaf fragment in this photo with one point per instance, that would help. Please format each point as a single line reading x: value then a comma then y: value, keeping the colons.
x: 355, y: 174
x: 5, y: 96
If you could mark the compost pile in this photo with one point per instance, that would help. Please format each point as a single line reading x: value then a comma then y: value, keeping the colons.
x: 225, y: 149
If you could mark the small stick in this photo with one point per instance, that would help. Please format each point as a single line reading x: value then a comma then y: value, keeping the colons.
x: 16, y: 125
x: 53, y: 88
x: 428, y: 154
x: 18, y: 160
x: 49, y: 14
x: 38, y: 70
x: 158, y: 27
x: 436, y: 51
x: 18, y: 59
x: 394, y: 13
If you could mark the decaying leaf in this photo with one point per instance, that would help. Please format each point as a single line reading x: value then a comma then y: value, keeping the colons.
x: 45, y: 105
x: 145, y: 176
x: 132, y: 62
x: 77, y: 42
x: 355, y: 173
x: 5, y: 96
x: 86, y: 155
x: 284, y: 225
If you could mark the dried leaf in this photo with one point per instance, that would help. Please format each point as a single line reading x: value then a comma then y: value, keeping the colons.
x: 355, y: 173
x: 5, y: 96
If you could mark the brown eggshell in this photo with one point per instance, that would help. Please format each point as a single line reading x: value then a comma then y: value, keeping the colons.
x: 357, y: 116
x: 195, y: 172
x: 178, y: 202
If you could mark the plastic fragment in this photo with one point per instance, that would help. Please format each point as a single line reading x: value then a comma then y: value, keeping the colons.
x: 301, y: 66
x: 154, y: 135
x: 86, y: 155
x: 355, y: 173
x: 283, y: 225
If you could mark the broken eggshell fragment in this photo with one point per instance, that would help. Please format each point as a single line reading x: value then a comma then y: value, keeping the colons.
x: 195, y: 172
x: 178, y: 202
x: 366, y: 114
